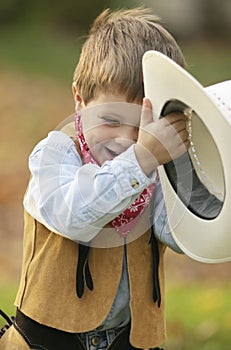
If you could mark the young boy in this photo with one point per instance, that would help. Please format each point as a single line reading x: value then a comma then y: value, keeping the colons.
x: 92, y: 275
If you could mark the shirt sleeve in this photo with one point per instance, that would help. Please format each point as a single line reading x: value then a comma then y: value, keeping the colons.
x: 160, y: 220
x: 74, y: 199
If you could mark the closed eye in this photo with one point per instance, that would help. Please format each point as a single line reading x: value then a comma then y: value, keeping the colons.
x: 110, y: 120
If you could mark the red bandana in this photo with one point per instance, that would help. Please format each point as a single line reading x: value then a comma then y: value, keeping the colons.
x: 124, y: 222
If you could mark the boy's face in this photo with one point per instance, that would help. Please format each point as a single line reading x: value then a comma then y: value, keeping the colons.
x: 110, y: 125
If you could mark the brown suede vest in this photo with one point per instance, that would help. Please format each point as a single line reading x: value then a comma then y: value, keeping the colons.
x: 47, y: 291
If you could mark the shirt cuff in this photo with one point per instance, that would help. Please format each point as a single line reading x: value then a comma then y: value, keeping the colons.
x: 130, y: 177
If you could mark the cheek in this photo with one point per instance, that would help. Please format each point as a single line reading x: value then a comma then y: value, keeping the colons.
x: 99, y: 134
x: 96, y: 136
x: 95, y: 143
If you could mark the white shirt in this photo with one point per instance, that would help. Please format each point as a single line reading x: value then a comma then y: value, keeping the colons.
x: 76, y: 200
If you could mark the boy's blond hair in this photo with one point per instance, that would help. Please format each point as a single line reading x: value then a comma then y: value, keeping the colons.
x: 111, y: 56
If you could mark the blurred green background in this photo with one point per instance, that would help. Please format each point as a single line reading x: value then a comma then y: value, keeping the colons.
x: 40, y: 44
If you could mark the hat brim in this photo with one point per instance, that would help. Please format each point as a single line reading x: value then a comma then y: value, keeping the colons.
x: 203, y: 239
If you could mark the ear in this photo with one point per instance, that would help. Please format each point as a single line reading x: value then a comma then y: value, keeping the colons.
x: 79, y: 103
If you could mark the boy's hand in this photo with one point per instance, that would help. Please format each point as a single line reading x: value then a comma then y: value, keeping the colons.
x: 162, y: 140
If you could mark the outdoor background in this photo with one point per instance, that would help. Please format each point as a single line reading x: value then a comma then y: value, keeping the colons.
x: 40, y: 43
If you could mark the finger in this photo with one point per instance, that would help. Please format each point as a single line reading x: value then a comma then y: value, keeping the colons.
x: 146, y: 114
x: 184, y: 147
x: 184, y: 142
x: 179, y: 125
x: 183, y: 134
x: 174, y: 117
x: 187, y: 144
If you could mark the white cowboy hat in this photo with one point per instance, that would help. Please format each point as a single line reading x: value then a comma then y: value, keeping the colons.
x: 197, y: 185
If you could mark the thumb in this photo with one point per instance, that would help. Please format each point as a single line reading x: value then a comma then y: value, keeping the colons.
x: 146, y: 113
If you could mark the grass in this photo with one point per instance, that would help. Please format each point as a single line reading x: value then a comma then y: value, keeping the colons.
x: 198, y: 317
x: 34, y: 49
x: 209, y: 62
x: 7, y: 295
